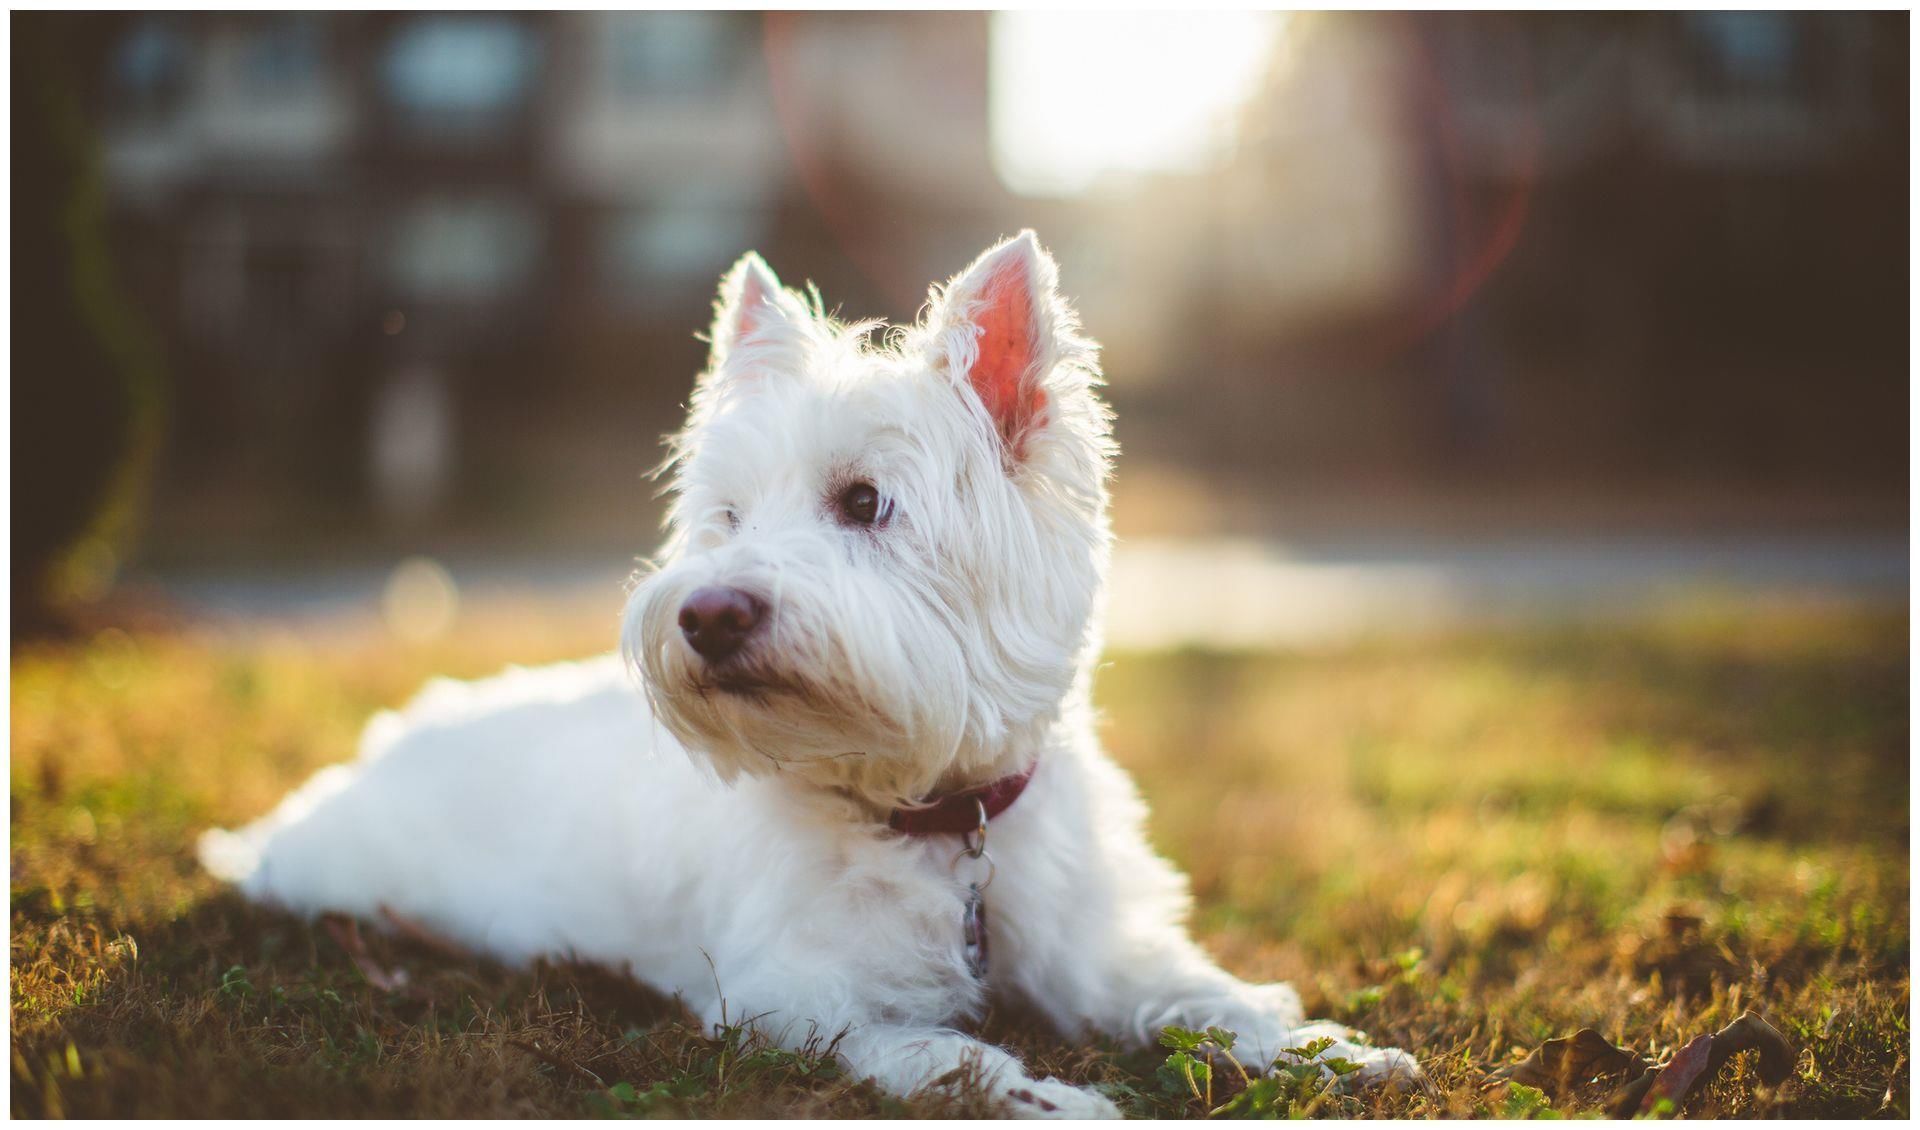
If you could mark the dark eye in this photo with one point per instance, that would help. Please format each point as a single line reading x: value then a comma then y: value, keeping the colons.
x: 860, y: 504
x: 733, y: 519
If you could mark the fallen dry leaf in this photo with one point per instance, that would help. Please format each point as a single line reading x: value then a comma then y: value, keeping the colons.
x: 1558, y: 1066
x: 1751, y: 1030
x: 1561, y: 1066
x: 1676, y: 1080
x: 1692, y: 1066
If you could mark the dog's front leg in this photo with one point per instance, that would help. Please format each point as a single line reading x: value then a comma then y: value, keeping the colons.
x: 904, y: 1060
x: 1155, y: 976
x: 1099, y: 939
x: 1190, y: 991
x: 859, y: 976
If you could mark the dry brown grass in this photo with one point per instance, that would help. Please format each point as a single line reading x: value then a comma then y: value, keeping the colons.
x: 1463, y: 846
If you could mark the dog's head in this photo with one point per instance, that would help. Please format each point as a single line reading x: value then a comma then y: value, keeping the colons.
x: 884, y: 560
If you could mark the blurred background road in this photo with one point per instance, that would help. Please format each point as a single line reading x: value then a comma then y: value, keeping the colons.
x: 1187, y: 593
x: 1407, y: 318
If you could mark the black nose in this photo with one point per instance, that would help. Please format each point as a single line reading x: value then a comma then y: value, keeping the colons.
x: 718, y: 620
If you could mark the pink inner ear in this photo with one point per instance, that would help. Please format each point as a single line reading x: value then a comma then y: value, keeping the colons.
x: 751, y: 311
x: 1008, y: 347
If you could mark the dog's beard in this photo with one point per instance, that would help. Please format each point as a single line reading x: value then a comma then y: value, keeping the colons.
x: 849, y: 710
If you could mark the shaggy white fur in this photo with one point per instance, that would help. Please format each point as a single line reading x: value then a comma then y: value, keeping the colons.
x: 723, y: 836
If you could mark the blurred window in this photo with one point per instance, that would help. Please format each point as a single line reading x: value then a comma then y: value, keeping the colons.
x: 464, y: 250
x: 275, y: 290
x: 268, y: 280
x: 283, y: 55
x: 658, y: 250
x: 149, y: 67
x: 666, y: 53
x: 460, y: 66
x: 1766, y: 87
x: 1746, y: 52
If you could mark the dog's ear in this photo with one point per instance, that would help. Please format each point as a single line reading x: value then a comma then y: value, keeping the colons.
x: 1002, y: 326
x: 751, y: 304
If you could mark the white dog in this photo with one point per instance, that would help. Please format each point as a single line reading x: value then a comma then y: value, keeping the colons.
x: 862, y: 790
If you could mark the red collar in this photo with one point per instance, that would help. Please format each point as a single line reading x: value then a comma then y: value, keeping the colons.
x: 958, y: 813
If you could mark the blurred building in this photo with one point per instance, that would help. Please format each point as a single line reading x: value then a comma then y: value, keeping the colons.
x: 435, y: 271
x: 1665, y: 242
x: 404, y: 235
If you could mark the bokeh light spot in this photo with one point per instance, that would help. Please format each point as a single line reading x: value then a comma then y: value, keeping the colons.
x: 420, y: 601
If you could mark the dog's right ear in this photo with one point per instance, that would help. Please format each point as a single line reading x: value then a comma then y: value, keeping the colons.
x: 752, y: 305
x: 1002, y: 329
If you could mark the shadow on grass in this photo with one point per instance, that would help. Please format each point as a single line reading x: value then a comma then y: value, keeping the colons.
x: 1817, y: 724
x: 229, y: 1009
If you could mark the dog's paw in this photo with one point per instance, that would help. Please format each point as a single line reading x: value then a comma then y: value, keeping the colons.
x: 1050, y: 1098
x: 1379, y: 1067
x: 1390, y: 1068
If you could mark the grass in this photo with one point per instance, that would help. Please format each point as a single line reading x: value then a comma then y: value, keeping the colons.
x: 1464, y: 846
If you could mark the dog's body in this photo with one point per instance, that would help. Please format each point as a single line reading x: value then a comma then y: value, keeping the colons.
x: 881, y: 585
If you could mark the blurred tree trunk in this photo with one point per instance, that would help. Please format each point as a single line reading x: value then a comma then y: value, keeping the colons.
x: 87, y: 399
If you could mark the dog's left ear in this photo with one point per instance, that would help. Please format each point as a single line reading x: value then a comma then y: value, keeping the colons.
x: 751, y: 304
x: 1002, y: 326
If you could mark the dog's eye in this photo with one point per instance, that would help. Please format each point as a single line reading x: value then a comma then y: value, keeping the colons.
x: 733, y: 518
x: 860, y: 504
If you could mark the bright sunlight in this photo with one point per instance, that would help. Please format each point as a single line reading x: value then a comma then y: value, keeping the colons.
x: 1077, y: 95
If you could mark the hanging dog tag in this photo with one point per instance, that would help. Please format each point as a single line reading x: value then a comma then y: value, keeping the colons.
x: 973, y: 932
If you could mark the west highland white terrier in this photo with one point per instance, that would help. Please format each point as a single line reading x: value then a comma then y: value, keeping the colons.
x: 858, y: 788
